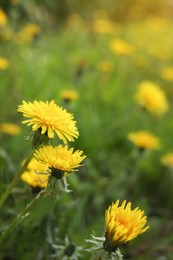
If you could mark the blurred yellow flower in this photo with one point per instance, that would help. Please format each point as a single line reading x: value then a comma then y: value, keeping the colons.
x: 49, y: 118
x: 33, y: 176
x: 3, y: 18
x: 28, y: 33
x: 9, y: 128
x: 60, y: 158
x: 144, y: 140
x: 121, y: 47
x: 167, y: 160
x: 150, y: 96
x: 4, y: 63
x: 123, y: 224
x: 103, y: 26
x: 167, y: 73
x: 105, y: 66
x: 6, y: 34
x: 69, y: 95
x: 15, y: 2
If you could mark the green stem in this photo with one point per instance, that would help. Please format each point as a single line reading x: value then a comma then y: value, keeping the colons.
x: 6, y: 194
x: 22, y: 215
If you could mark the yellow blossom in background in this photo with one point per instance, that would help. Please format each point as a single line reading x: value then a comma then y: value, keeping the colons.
x: 15, y: 2
x: 167, y: 73
x: 49, y: 118
x: 3, y: 18
x: 123, y: 224
x: 102, y: 26
x: 150, y: 96
x: 4, y: 63
x: 60, y: 158
x: 144, y: 140
x: 6, y: 34
x: 33, y: 176
x: 105, y: 66
x: 121, y: 47
x: 28, y: 33
x: 167, y: 160
x: 69, y: 95
x: 9, y: 128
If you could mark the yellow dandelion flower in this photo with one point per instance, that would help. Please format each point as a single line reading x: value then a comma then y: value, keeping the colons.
x: 4, y: 63
x: 9, y: 128
x: 69, y: 95
x: 3, y: 18
x: 105, y: 66
x: 123, y: 224
x: 167, y: 73
x: 60, y: 158
x: 49, y: 118
x: 152, y: 97
x: 167, y: 160
x: 33, y: 176
x: 144, y: 140
x: 121, y: 47
x: 28, y: 33
x: 103, y: 26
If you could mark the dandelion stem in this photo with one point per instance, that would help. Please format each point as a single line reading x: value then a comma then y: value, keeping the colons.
x: 6, y: 194
x: 22, y: 215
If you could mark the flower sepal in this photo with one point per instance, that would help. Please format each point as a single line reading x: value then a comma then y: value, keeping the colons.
x: 100, y: 250
x: 37, y: 139
x: 57, y: 185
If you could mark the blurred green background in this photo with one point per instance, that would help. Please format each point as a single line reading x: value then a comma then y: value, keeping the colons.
x: 49, y: 46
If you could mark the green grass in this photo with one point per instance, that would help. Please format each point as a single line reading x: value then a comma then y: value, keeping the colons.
x: 105, y: 113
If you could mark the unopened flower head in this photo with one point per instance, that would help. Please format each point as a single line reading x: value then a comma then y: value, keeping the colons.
x: 50, y: 119
x: 69, y: 95
x: 34, y: 174
x: 151, y: 97
x: 60, y: 158
x: 123, y: 224
x: 144, y: 140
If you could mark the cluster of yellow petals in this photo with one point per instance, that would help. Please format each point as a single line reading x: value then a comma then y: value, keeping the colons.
x: 144, y: 140
x: 10, y: 129
x: 33, y: 174
x: 50, y: 118
x: 151, y: 97
x: 60, y: 158
x: 167, y: 160
x: 123, y: 224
